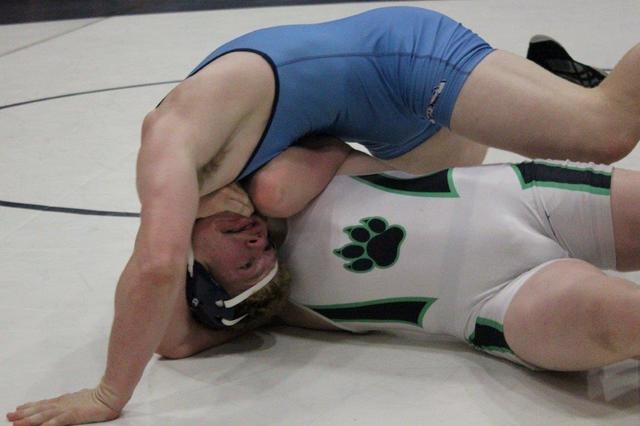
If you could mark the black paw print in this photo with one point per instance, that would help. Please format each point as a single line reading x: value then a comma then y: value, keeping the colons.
x: 373, y: 243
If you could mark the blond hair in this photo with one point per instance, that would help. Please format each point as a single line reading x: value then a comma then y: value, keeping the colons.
x: 266, y: 303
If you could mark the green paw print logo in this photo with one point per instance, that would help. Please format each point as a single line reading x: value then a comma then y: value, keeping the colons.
x: 373, y: 244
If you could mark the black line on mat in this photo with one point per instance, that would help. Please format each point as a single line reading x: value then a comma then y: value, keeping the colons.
x: 51, y: 37
x: 88, y: 92
x: 70, y: 210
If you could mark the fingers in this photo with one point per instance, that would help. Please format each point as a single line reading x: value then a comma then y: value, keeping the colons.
x: 240, y: 207
x: 244, y: 206
x: 28, y: 409
x: 230, y: 198
x: 31, y: 404
x: 68, y: 409
x: 47, y: 416
x: 209, y: 207
x: 35, y: 413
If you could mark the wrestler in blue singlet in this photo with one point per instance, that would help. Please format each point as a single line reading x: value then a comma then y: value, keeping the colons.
x: 387, y: 78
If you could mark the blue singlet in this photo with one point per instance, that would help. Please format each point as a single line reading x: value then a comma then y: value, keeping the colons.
x: 387, y: 78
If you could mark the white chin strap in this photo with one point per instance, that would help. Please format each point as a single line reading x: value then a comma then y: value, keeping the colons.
x: 190, y: 261
x: 230, y: 303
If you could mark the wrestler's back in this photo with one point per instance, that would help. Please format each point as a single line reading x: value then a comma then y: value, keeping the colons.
x: 366, y: 78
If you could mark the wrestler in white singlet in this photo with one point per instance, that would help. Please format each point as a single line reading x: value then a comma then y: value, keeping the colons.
x: 447, y: 252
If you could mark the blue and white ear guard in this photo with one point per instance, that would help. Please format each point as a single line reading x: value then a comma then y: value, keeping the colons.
x: 210, y: 303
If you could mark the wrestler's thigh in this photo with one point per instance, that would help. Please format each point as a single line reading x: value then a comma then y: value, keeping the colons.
x: 511, y: 103
x: 625, y: 210
x: 442, y: 150
x: 571, y: 316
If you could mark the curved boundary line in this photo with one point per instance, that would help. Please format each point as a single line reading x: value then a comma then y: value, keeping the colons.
x: 87, y: 212
x: 70, y: 210
x: 88, y: 92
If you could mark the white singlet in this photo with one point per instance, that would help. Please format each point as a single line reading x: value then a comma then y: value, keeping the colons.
x: 444, y: 253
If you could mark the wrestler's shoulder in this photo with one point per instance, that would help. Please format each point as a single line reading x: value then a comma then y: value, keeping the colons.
x: 238, y: 64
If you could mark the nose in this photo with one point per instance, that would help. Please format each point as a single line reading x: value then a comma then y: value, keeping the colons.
x: 253, y: 241
x: 256, y: 241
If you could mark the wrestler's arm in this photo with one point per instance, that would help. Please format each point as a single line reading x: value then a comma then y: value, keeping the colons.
x: 147, y: 290
x: 190, y: 130
x: 286, y: 184
x: 153, y: 278
x: 185, y: 336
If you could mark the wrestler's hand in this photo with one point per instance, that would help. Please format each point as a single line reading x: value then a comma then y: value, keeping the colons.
x: 229, y: 198
x: 85, y: 406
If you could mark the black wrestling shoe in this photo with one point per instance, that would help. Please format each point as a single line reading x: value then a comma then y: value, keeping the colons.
x: 550, y: 55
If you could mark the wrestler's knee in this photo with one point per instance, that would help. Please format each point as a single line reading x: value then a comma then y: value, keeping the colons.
x: 627, y: 137
x: 617, y: 130
x: 617, y: 318
x: 614, y: 147
x: 605, y: 150
x: 621, y: 140
x: 606, y: 309
x: 604, y: 143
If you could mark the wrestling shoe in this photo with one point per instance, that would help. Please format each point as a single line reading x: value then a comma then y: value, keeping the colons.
x: 550, y: 55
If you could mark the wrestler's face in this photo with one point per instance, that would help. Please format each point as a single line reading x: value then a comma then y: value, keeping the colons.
x: 235, y: 249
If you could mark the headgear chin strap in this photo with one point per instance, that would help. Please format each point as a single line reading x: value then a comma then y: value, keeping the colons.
x: 209, y: 301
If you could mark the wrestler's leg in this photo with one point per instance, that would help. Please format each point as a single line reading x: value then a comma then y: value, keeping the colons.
x: 442, y: 150
x: 513, y: 104
x: 571, y: 316
x: 625, y: 211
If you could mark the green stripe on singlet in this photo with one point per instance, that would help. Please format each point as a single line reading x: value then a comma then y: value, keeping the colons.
x: 439, y: 184
x: 584, y: 179
x: 409, y: 310
x: 488, y: 335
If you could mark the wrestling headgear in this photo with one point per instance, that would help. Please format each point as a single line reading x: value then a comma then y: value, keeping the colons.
x: 210, y: 303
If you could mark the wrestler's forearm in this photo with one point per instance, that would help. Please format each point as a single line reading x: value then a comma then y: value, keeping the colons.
x: 143, y: 304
